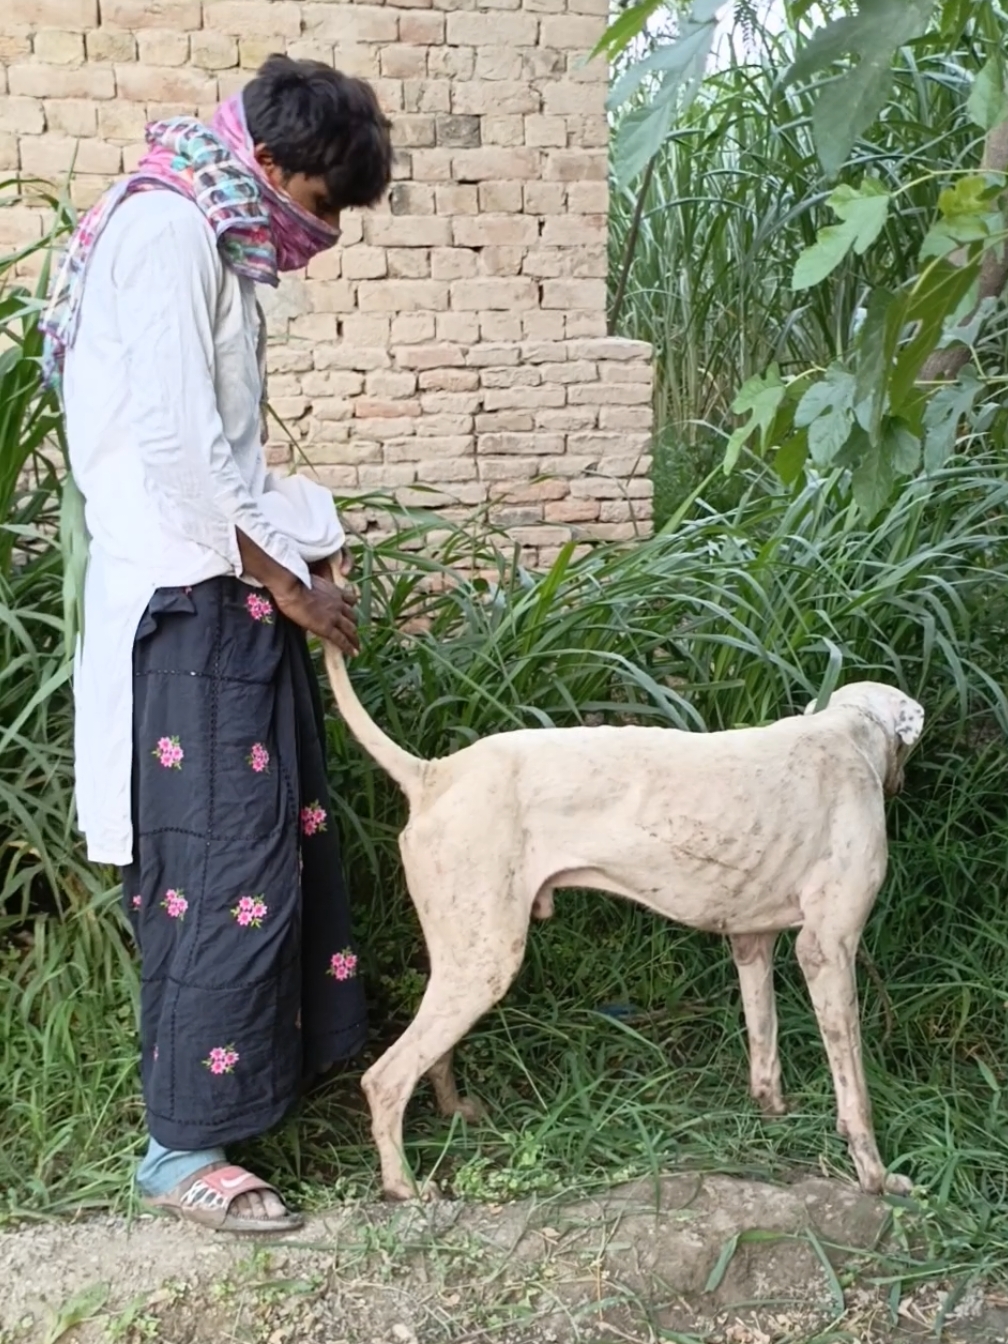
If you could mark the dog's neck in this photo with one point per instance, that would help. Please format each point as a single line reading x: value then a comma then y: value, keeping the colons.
x: 874, y: 739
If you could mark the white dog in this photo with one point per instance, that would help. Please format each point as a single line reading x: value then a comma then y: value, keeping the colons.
x: 743, y: 833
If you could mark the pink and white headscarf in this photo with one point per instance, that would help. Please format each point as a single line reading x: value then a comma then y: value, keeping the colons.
x: 260, y: 230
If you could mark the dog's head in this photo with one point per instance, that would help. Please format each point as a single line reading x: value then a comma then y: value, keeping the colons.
x: 900, y: 717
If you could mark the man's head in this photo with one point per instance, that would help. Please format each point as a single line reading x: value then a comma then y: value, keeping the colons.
x: 319, y: 135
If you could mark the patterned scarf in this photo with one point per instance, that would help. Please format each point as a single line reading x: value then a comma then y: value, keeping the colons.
x: 259, y: 230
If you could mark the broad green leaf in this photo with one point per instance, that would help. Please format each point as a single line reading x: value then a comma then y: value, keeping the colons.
x: 902, y: 446
x: 988, y: 100
x: 761, y: 399
x: 848, y: 105
x: 863, y: 211
x: 789, y: 460
x: 827, y: 411
x: 640, y: 136
x: 872, y: 481
x: 944, y: 412
x: 623, y: 30
x: 876, y: 348
x: 935, y: 296
x: 677, y: 58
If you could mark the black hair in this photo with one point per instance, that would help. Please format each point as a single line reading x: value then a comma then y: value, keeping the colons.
x: 316, y: 120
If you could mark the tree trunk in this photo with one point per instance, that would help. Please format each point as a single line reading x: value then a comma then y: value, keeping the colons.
x: 942, y: 364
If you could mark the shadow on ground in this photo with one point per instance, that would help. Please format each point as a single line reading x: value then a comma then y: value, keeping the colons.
x: 683, y: 1259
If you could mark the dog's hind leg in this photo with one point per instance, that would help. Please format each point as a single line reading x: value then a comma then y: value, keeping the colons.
x: 449, y: 1099
x: 475, y: 927
x: 827, y: 957
x: 753, y: 957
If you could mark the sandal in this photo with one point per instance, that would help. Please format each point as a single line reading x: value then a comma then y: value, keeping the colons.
x: 207, y: 1200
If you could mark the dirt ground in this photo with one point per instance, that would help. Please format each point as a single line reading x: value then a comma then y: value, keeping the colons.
x: 685, y: 1259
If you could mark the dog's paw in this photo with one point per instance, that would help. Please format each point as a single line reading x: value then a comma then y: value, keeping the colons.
x: 771, y: 1105
x: 895, y: 1184
x: 408, y: 1192
x: 471, y: 1110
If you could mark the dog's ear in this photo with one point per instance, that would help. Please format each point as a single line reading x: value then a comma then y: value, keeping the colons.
x: 908, y: 720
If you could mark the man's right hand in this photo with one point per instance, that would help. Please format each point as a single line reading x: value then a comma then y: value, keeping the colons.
x: 324, y: 610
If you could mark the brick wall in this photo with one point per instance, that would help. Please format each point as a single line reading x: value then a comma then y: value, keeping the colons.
x: 452, y: 349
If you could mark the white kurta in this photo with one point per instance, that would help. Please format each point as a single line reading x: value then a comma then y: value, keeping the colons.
x: 162, y: 390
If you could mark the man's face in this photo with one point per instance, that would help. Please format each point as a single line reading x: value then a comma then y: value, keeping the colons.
x: 310, y: 193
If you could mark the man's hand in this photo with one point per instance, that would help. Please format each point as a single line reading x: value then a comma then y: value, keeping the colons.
x: 343, y: 560
x: 324, y: 610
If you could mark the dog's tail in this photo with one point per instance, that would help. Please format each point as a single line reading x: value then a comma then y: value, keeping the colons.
x: 405, y: 769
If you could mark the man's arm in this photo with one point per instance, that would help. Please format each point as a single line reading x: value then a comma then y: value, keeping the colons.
x: 167, y: 292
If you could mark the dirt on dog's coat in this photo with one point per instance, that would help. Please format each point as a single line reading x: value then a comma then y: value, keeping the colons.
x: 744, y: 833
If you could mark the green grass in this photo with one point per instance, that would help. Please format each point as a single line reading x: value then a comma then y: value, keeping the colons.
x: 733, y: 619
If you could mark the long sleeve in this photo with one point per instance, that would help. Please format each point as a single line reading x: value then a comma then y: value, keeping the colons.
x: 167, y: 290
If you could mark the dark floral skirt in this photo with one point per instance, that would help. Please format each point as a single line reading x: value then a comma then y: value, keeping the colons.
x: 236, y: 894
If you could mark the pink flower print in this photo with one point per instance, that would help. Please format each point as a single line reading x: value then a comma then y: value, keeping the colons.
x: 222, y: 1059
x: 313, y: 818
x: 260, y: 608
x: 258, y: 759
x: 137, y: 901
x: 155, y: 1054
x: 168, y: 753
x: 343, y: 965
x: 250, y: 912
x: 175, y: 904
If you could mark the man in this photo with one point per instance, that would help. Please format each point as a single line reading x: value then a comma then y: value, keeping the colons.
x: 199, y: 750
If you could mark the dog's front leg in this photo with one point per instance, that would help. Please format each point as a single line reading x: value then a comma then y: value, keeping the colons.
x: 753, y: 957
x: 827, y: 962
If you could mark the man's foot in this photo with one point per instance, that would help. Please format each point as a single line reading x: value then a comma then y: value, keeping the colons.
x: 228, y: 1199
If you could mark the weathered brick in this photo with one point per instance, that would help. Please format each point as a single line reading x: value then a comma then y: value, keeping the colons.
x: 507, y: 131
x: 77, y: 14
x: 408, y: 231
x: 475, y: 29
x: 214, y: 51
x: 21, y: 116
x: 505, y: 97
x: 456, y: 200
x: 69, y: 116
x: 59, y: 46
x: 147, y: 84
x: 574, y: 230
x: 494, y: 230
x: 410, y: 329
x: 426, y: 95
x: 409, y: 263
x: 53, y: 156
x: 15, y: 45
x: 158, y: 47
x: 453, y: 263
x: 55, y: 81
x: 275, y: 19
x: 121, y: 121
x: 423, y: 29
x: 493, y: 293
x: 402, y: 61
x: 405, y: 296
x: 457, y: 132
x: 181, y: 15
x: 588, y: 198
x: 343, y: 23
x: 495, y: 64
x: 571, y: 32
x: 110, y: 44
x: 479, y: 165
x: 565, y: 98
